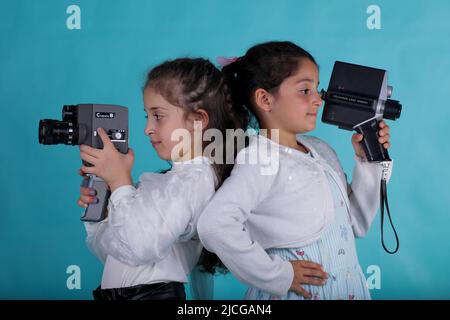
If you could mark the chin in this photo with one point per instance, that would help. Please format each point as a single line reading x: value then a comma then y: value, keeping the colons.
x: 163, y: 155
x: 306, y: 130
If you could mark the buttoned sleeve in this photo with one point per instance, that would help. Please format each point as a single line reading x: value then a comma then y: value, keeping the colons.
x: 145, y: 221
x: 364, y: 194
x: 222, y: 228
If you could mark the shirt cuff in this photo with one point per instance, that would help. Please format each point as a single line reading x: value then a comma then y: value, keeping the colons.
x: 285, y: 272
x: 360, y: 159
x: 374, y: 167
x: 120, y: 193
x: 92, y: 227
x: 289, y: 277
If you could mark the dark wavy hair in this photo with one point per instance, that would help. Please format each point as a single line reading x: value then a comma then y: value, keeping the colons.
x: 196, y: 83
x: 264, y: 66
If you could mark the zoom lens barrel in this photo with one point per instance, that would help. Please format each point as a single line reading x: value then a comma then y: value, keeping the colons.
x: 57, y: 132
x: 392, y: 109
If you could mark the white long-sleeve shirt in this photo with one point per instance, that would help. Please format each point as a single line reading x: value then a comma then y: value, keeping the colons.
x: 150, y: 233
x: 285, y: 202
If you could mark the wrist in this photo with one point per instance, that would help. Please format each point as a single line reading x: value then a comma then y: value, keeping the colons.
x: 124, y: 181
x: 360, y: 157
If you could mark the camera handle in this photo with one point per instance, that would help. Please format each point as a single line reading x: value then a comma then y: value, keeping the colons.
x: 373, y: 149
x: 96, y: 212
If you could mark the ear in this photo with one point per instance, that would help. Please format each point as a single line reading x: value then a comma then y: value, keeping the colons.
x: 200, y: 115
x: 263, y: 100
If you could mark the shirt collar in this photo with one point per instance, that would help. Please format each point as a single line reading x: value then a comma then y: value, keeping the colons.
x: 289, y: 150
x: 196, y: 160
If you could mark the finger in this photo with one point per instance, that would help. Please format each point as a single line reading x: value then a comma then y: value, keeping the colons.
x: 88, y: 158
x: 384, y: 138
x: 384, y: 131
x: 357, y: 137
x: 88, y: 191
x: 88, y: 199
x: 315, y: 273
x: 129, y: 157
x: 82, y: 204
x: 309, y: 264
x: 82, y: 174
x: 90, y: 170
x: 301, y: 291
x: 91, y: 151
x: 105, y: 139
x: 382, y: 124
x: 313, y: 281
x: 387, y: 145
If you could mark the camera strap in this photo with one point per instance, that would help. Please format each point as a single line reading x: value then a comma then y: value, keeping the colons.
x: 384, y: 200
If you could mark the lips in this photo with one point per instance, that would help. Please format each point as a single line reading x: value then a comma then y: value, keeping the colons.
x: 155, y: 142
x: 312, y: 114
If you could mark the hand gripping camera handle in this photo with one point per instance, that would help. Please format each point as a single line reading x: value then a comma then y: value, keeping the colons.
x: 96, y: 212
x: 373, y: 149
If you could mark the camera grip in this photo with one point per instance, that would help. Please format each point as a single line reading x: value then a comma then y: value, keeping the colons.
x: 373, y: 149
x: 96, y: 212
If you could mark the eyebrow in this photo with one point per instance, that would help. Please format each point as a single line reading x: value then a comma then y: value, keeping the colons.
x: 307, y: 80
x: 155, y: 108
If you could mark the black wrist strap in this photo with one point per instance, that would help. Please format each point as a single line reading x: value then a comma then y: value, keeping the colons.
x: 384, y: 200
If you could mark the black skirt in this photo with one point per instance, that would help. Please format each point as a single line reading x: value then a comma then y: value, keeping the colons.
x: 155, y: 291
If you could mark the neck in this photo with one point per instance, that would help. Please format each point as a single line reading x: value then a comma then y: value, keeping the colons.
x: 195, y: 151
x: 285, y: 138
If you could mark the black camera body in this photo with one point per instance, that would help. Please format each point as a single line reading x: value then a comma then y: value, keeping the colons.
x: 358, y: 99
x: 79, y: 126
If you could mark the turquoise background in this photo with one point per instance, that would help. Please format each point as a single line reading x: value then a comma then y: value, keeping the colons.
x: 43, y: 66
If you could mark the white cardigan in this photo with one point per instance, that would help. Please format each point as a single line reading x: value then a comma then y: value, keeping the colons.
x: 288, y: 208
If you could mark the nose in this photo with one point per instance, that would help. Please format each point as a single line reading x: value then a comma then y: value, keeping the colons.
x: 318, y: 98
x: 149, y: 130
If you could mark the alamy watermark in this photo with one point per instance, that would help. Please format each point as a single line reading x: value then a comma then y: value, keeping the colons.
x: 373, y: 21
x: 73, y: 281
x: 220, y: 148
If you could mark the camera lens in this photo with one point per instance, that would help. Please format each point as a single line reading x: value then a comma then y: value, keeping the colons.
x: 392, y: 109
x: 57, y: 132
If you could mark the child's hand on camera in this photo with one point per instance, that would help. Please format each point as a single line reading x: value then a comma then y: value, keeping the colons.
x: 383, y: 139
x: 108, y: 163
x: 87, y: 195
x: 307, y: 272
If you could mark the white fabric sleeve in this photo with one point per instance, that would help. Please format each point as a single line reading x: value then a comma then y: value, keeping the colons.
x: 143, y: 223
x: 364, y: 194
x: 222, y: 230
x: 93, y: 229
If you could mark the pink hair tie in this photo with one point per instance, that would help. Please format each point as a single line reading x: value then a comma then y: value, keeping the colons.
x: 224, y: 61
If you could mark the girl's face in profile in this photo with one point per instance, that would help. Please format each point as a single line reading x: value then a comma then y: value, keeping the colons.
x: 163, y: 119
x: 296, y: 104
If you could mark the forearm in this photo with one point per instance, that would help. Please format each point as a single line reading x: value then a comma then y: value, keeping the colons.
x: 364, y: 194
x: 246, y: 259
x: 126, y: 180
